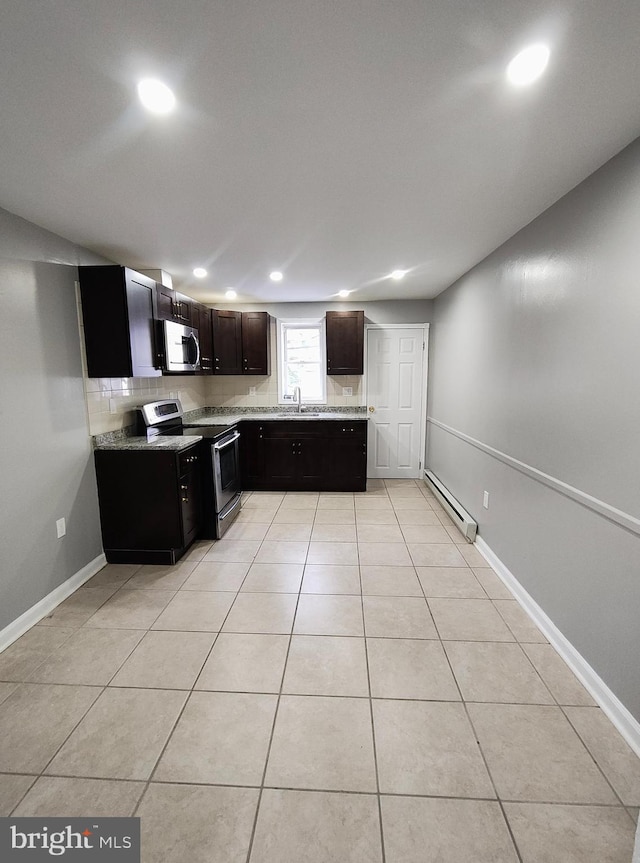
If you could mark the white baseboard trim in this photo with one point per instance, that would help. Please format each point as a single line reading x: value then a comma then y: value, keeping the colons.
x: 35, y: 614
x: 626, y: 724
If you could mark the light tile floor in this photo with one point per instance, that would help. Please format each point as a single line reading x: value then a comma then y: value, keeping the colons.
x: 340, y: 680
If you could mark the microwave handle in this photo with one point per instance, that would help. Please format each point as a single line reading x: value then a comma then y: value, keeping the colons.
x: 197, y: 346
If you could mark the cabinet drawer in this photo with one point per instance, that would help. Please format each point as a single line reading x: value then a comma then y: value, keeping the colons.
x: 348, y: 428
x: 189, y: 458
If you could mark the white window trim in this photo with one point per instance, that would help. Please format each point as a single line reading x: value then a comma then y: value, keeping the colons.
x: 302, y: 322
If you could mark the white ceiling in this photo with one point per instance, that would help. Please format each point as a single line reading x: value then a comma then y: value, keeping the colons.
x: 335, y: 140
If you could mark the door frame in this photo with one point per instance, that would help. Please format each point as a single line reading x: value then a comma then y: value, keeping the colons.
x: 425, y: 372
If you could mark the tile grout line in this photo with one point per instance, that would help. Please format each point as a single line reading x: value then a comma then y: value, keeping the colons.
x: 189, y: 692
x: 275, y: 714
x: 493, y: 784
x: 482, y: 755
x: 373, y: 729
x: 591, y: 754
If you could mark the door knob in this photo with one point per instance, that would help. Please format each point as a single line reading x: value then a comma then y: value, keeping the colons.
x: 371, y: 409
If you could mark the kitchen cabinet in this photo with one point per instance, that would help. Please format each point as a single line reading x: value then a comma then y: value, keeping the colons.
x: 294, y: 455
x: 118, y: 320
x: 345, y: 342
x: 241, y: 343
x: 201, y: 316
x: 346, y: 466
x: 252, y: 464
x: 304, y: 455
x: 173, y: 306
x: 150, y: 503
x: 227, y: 342
x: 256, y: 343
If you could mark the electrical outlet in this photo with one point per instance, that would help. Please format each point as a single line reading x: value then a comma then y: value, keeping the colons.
x: 173, y: 395
x: 61, y: 527
x: 347, y: 391
x: 485, y: 500
x: 113, y: 408
x: 252, y: 391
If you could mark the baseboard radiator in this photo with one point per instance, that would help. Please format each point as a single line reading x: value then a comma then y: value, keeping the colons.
x: 456, y: 512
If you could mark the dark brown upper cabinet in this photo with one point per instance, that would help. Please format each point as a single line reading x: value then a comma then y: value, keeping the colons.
x: 227, y: 342
x: 118, y: 318
x: 201, y: 320
x: 345, y: 343
x: 256, y: 343
x: 241, y: 343
x: 172, y: 306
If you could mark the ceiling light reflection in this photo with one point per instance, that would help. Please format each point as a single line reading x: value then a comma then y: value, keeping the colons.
x: 156, y: 96
x: 527, y: 66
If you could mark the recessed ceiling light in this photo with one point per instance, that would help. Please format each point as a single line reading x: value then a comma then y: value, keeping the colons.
x: 230, y: 294
x: 396, y: 275
x: 528, y: 65
x: 343, y: 294
x: 275, y: 276
x: 156, y: 96
x: 199, y: 272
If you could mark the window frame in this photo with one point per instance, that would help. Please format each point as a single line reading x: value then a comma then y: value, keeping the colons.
x: 301, y: 323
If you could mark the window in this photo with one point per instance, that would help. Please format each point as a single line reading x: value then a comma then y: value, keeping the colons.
x: 302, y: 361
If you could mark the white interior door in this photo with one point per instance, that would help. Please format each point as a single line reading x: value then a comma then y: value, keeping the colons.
x: 396, y: 399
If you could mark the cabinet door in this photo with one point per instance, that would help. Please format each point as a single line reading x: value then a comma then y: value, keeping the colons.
x: 227, y: 342
x: 172, y: 306
x: 345, y: 343
x: 118, y: 312
x: 183, y: 310
x: 165, y: 301
x: 190, y: 493
x: 346, y: 467
x: 142, y: 331
x: 281, y: 462
x: 310, y: 467
x: 201, y: 320
x: 256, y: 343
x: 252, y: 460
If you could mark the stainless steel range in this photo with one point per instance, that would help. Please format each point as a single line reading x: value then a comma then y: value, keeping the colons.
x: 220, y: 449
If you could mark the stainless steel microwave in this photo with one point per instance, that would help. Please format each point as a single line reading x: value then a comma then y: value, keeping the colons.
x: 181, y: 348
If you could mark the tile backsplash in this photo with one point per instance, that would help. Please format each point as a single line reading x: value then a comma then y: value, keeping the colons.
x: 110, y: 401
x: 233, y: 391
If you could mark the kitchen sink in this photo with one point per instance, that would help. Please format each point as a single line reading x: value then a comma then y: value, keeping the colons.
x: 293, y: 415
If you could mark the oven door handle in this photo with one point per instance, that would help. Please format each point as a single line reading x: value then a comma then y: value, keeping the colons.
x: 219, y: 446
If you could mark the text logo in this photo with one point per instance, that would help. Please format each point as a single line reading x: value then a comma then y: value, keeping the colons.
x: 107, y: 840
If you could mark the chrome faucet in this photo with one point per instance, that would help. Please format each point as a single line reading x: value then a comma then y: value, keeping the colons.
x: 297, y: 397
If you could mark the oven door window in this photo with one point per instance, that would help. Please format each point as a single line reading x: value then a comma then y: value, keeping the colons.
x: 228, y: 467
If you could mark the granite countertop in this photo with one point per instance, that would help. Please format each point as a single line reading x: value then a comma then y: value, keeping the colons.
x: 127, y: 439
x: 231, y: 419
x: 173, y: 443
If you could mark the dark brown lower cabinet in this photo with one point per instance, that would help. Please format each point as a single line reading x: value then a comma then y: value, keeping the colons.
x: 304, y: 455
x: 150, y: 503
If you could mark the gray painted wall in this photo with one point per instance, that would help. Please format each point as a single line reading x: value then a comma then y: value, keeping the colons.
x: 47, y: 464
x: 536, y: 352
